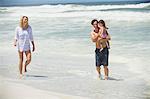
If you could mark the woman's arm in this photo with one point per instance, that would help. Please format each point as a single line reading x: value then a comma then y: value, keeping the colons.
x: 31, y: 39
x: 15, y: 42
x: 16, y: 37
x: 33, y: 46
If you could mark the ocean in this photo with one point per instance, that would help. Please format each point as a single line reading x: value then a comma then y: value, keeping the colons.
x: 64, y: 58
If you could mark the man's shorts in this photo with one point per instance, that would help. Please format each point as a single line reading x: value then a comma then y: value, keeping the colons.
x: 101, y: 57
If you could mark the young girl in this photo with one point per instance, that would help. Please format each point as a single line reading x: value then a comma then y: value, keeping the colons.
x: 103, y: 35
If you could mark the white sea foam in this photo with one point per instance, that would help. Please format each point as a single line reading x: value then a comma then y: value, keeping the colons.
x: 81, y: 11
x: 73, y: 7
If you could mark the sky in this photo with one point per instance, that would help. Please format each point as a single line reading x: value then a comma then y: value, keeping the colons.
x: 17, y: 2
x: 65, y: 0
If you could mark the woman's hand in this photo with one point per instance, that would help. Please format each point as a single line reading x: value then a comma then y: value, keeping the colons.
x: 33, y: 49
x: 15, y: 43
x: 33, y: 46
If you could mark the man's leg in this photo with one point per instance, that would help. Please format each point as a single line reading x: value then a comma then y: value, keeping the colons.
x: 106, y: 71
x: 98, y: 70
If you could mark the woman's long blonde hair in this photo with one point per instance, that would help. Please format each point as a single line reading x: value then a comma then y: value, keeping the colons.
x: 21, y: 22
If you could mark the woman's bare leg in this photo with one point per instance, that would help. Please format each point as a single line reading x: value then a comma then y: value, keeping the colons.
x: 28, y: 56
x: 20, y: 62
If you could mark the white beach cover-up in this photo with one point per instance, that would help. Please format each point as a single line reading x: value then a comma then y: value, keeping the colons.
x: 23, y: 37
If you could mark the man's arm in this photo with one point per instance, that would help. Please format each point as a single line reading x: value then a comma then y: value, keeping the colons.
x: 94, y: 36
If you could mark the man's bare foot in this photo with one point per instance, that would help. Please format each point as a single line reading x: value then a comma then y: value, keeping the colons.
x: 106, y: 77
x: 20, y: 76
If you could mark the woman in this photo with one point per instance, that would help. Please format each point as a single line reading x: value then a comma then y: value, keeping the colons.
x: 23, y: 37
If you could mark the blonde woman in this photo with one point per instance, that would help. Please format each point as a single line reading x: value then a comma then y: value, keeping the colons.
x: 23, y: 37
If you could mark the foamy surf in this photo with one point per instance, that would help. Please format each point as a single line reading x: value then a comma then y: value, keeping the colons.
x: 72, y: 10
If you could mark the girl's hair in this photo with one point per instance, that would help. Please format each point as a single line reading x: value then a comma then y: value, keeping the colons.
x: 92, y: 22
x: 21, y: 22
x: 103, y: 23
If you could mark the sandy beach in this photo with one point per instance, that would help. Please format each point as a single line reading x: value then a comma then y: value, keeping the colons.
x: 73, y: 84
x: 10, y: 90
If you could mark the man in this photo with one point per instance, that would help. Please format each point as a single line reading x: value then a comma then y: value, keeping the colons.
x: 101, y: 56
